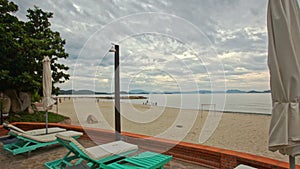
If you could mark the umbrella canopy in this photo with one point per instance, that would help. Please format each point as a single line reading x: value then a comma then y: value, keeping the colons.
x: 47, y: 84
x: 47, y: 87
x: 284, y: 64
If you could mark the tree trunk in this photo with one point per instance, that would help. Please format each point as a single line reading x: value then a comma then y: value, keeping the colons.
x: 5, y: 103
x: 20, y: 101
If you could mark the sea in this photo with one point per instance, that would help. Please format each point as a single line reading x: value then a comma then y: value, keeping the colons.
x: 256, y: 103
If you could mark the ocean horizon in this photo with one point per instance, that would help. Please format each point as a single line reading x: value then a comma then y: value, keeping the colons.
x: 254, y: 103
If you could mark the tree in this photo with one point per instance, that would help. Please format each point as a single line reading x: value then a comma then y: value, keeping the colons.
x: 10, y: 30
x: 23, y: 46
x: 42, y: 41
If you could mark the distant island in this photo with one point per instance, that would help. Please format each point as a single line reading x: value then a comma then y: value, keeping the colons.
x: 139, y: 91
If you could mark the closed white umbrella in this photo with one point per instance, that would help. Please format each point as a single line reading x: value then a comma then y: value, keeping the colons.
x: 47, y: 87
x: 284, y: 64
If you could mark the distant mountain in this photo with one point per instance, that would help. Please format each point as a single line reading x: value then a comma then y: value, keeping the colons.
x: 101, y: 93
x: 254, y: 91
x: 204, y: 91
x: 235, y: 91
x: 123, y: 92
x: 79, y: 92
x: 84, y: 92
x: 140, y: 91
x: 63, y: 92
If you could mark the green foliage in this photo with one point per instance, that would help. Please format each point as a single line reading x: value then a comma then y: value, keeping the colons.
x: 10, y: 43
x: 35, y: 97
x: 36, y: 117
x: 23, y: 46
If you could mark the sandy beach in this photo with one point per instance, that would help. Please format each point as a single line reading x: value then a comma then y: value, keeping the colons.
x: 233, y: 131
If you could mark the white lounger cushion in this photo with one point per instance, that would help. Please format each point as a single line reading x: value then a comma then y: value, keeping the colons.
x: 242, y: 166
x: 37, y: 132
x: 51, y: 137
x: 109, y: 149
x: 104, y: 150
x: 18, y: 131
x: 43, y: 131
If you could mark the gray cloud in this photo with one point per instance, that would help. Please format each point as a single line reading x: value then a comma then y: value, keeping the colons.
x: 191, y: 41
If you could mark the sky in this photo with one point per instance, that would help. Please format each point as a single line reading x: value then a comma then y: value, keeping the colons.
x: 165, y: 45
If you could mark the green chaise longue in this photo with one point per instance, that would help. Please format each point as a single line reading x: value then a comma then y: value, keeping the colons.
x: 112, y: 155
x: 27, y: 141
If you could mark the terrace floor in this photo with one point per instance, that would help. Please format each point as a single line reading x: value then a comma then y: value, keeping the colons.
x: 37, y: 158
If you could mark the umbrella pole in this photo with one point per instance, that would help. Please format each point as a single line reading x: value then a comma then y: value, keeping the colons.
x: 46, y: 121
x: 57, y: 105
x: 292, y: 162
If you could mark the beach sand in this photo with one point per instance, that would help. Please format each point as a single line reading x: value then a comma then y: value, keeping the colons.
x: 234, y: 131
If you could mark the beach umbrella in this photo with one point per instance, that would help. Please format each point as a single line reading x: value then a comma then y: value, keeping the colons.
x: 284, y: 64
x: 47, y: 87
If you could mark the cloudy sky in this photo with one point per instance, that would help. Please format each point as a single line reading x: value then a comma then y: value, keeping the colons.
x: 166, y: 45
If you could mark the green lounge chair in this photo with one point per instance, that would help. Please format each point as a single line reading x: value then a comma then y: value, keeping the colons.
x: 108, y: 156
x: 92, y: 156
x: 27, y: 143
x: 14, y: 131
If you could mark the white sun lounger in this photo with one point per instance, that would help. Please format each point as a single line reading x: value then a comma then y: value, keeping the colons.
x: 28, y: 143
x: 93, y: 155
x: 16, y: 131
x: 50, y: 137
x: 112, y: 155
x: 101, y: 151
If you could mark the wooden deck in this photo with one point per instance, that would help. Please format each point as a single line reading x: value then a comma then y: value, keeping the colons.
x: 185, y: 155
